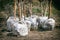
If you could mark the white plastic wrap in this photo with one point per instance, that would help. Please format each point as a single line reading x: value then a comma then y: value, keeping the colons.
x: 33, y: 22
x: 50, y: 22
x: 28, y: 24
x: 21, y: 29
x: 10, y: 21
x: 14, y: 25
x: 43, y: 19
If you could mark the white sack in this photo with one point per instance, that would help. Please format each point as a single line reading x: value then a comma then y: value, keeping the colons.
x: 21, y: 29
x: 33, y: 22
x: 50, y: 22
x: 14, y: 25
x: 10, y: 21
x: 43, y: 19
x: 28, y: 24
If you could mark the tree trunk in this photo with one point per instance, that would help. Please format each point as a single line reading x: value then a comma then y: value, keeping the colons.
x: 14, y: 9
x: 50, y: 9
x: 19, y: 10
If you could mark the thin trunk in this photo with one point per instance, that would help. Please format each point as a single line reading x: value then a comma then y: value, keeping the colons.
x: 30, y: 8
x: 50, y: 9
x: 44, y: 4
x: 19, y: 10
x: 41, y: 14
x: 14, y: 9
x: 46, y: 7
x: 24, y: 9
x: 42, y: 11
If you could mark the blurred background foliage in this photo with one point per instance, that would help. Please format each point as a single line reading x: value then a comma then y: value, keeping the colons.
x: 4, y: 3
x: 36, y: 10
x: 6, y: 11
